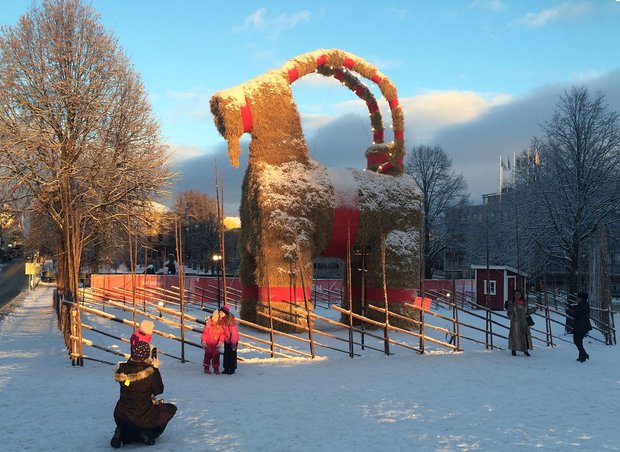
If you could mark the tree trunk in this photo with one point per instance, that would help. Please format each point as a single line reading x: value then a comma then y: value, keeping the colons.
x: 428, y: 268
x: 573, y: 280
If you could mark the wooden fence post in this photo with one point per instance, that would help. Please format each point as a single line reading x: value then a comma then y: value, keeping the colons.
x: 386, y: 331
x: 303, y: 288
x: 75, y: 338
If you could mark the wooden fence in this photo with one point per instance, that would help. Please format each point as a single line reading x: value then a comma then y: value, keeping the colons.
x: 452, y: 323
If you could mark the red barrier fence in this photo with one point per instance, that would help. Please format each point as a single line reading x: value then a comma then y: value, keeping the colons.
x: 198, y: 286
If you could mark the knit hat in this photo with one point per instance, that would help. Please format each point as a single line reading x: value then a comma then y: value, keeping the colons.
x: 146, y: 327
x: 140, y: 351
x: 582, y: 296
x: 225, y: 309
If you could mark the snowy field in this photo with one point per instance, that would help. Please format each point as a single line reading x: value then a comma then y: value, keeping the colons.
x: 472, y: 400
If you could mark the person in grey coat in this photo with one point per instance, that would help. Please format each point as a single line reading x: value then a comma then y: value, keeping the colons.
x: 520, y: 337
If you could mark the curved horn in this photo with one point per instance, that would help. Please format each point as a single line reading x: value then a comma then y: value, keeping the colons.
x: 306, y: 63
x: 361, y: 90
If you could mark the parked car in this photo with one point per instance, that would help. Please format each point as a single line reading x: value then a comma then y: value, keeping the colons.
x: 48, y: 276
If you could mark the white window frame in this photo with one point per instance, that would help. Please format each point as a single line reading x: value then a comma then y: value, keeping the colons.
x: 490, y: 284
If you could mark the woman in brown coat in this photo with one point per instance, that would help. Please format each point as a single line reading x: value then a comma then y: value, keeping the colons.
x: 520, y: 337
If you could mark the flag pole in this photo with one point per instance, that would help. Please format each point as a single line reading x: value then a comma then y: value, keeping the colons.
x: 501, y: 166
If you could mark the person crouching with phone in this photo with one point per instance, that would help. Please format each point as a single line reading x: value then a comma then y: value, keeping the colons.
x: 137, y: 416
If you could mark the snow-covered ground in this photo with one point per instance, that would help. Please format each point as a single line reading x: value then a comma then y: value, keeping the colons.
x: 473, y: 400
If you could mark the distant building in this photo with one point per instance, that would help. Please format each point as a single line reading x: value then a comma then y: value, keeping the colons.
x: 231, y: 223
x: 497, y: 283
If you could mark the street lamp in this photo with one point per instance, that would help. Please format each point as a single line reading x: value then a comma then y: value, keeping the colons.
x: 217, y: 258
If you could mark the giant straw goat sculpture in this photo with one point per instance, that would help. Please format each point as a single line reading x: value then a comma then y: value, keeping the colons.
x: 293, y: 209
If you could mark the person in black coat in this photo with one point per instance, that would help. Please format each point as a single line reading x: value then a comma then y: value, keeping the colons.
x: 138, y: 415
x: 581, y: 323
x: 171, y: 265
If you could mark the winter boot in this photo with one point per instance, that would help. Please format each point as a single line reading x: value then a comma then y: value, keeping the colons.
x: 216, y: 370
x: 514, y: 353
x: 146, y: 439
x: 207, y: 370
x: 526, y: 353
x: 116, y: 441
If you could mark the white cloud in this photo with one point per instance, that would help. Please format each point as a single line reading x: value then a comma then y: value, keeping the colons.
x: 268, y: 55
x: 493, y: 5
x: 561, y: 12
x: 386, y: 64
x: 586, y: 76
x: 193, y: 103
x: 431, y: 111
x: 181, y: 152
x: 260, y: 21
x: 197, y: 94
x: 425, y: 114
x: 255, y: 20
x: 473, y: 128
x: 284, y: 21
x: 400, y: 13
x: 312, y: 122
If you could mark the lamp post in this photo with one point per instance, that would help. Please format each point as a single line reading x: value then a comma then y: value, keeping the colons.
x: 217, y: 258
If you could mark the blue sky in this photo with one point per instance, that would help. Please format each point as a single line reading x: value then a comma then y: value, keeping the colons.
x: 476, y: 77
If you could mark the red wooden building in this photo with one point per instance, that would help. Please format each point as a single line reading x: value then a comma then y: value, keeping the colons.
x: 500, y: 280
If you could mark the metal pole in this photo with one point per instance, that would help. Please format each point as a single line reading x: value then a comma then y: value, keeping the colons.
x: 271, y: 335
x: 487, y: 283
x: 219, y: 296
x: 363, y: 293
x: 350, y: 287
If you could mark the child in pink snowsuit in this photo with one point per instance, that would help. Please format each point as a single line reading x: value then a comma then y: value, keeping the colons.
x: 212, y: 339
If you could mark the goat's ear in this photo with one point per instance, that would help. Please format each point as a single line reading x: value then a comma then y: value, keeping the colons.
x: 218, y: 108
x: 234, y: 150
x: 227, y: 118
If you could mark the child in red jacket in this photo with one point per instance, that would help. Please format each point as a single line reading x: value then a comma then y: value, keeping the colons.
x: 143, y: 333
x: 212, y: 339
x: 231, y: 340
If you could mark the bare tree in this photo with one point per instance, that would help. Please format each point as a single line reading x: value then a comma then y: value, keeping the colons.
x: 78, y: 139
x: 199, y: 224
x: 442, y: 189
x: 572, y: 179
